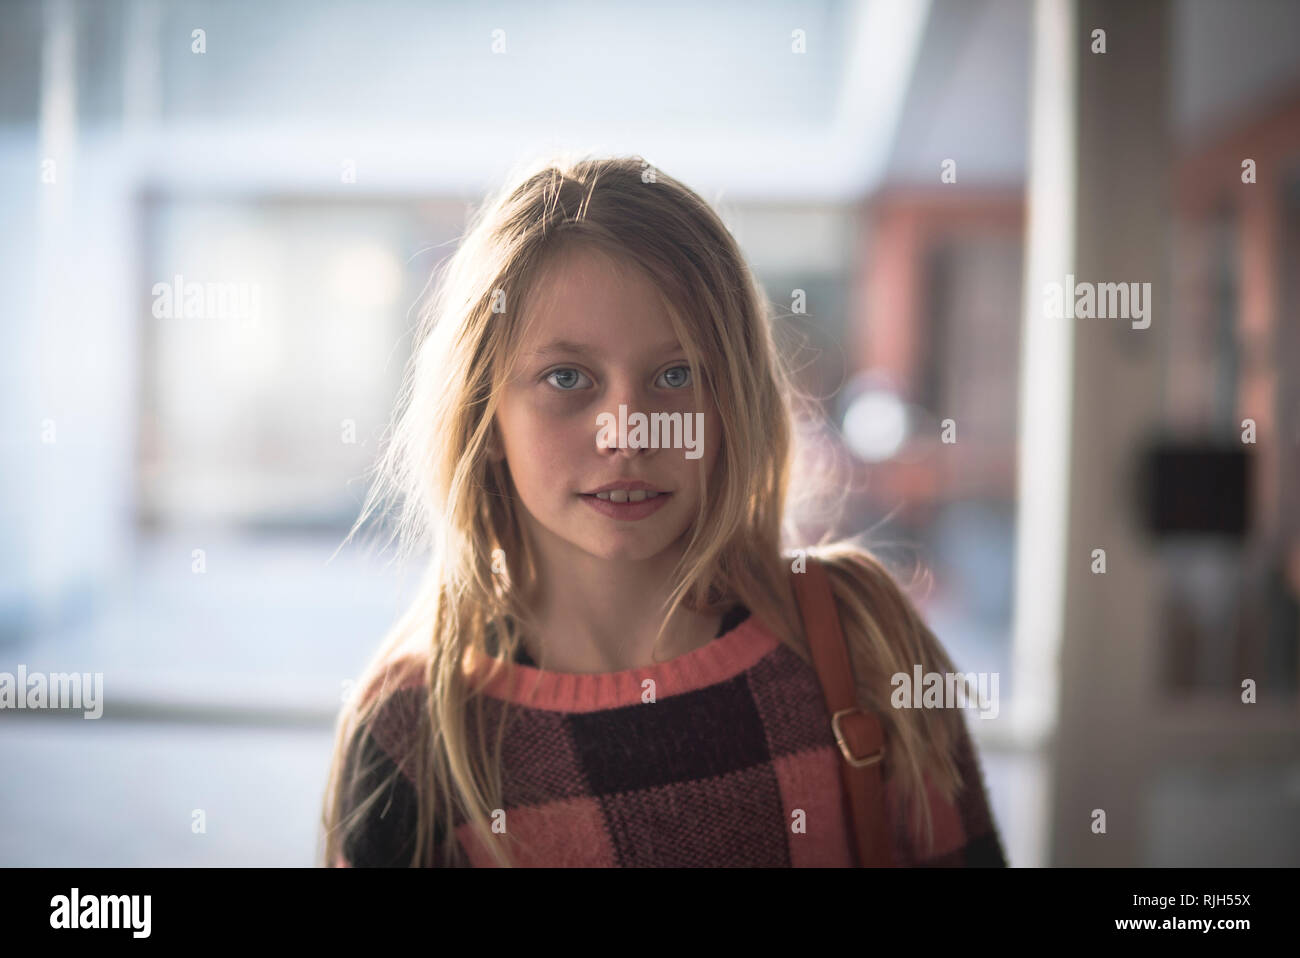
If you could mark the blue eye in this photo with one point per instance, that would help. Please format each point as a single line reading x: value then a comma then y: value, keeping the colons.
x: 681, y: 379
x: 569, y: 379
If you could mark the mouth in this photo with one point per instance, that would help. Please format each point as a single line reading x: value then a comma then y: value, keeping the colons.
x: 626, y: 492
x: 627, y: 501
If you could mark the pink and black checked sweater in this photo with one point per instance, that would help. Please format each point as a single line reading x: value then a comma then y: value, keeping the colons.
x: 710, y: 774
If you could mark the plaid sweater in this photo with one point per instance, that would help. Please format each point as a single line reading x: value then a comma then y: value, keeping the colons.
x: 733, y: 764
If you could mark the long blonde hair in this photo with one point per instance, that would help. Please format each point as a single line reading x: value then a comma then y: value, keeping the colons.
x: 450, y: 498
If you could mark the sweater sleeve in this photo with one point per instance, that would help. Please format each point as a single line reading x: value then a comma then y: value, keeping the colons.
x: 965, y: 834
x: 384, y: 836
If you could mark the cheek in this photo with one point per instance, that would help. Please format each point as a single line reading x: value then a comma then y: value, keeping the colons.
x: 541, y: 447
x: 712, y: 441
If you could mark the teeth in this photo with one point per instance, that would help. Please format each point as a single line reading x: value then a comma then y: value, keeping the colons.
x: 622, y: 495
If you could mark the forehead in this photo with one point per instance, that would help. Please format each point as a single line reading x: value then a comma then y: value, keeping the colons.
x: 585, y: 295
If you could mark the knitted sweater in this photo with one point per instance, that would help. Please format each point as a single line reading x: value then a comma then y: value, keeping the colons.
x: 732, y: 764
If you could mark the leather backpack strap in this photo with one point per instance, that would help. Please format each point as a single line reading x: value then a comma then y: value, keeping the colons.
x: 858, y: 732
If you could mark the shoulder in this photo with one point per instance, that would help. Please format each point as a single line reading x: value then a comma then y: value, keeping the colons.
x: 402, y: 672
x: 390, y: 710
x: 887, y: 637
x: 862, y: 582
x: 380, y: 796
x: 875, y: 610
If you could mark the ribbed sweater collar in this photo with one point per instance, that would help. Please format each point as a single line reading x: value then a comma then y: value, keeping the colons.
x: 723, y: 658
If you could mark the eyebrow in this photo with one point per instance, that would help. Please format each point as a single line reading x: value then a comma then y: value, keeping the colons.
x: 564, y: 346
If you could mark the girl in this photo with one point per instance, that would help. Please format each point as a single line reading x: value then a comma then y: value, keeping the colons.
x: 606, y: 664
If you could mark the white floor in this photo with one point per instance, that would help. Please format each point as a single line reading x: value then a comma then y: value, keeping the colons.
x: 101, y: 793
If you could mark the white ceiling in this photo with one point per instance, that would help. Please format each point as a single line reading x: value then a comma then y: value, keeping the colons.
x: 713, y: 92
x: 413, y: 93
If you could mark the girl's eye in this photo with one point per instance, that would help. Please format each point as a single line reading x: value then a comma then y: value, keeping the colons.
x: 677, y: 376
x: 565, y: 379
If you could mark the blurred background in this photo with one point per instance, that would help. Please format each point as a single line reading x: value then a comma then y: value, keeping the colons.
x: 1108, y: 516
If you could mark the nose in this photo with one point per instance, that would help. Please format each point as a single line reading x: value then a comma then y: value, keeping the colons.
x: 624, y: 426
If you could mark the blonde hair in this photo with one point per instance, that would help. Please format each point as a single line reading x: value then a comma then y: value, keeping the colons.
x: 451, y: 498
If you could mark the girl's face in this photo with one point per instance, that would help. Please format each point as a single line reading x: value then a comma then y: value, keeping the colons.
x: 597, y: 338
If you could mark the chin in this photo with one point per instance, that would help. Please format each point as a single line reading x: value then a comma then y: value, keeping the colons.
x: 613, y: 550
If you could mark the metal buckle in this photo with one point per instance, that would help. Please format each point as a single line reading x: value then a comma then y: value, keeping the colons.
x: 844, y: 745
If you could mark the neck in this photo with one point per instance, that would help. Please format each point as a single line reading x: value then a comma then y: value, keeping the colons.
x: 597, y: 615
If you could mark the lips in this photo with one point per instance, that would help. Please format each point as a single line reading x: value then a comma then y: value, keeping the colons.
x: 626, y: 505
